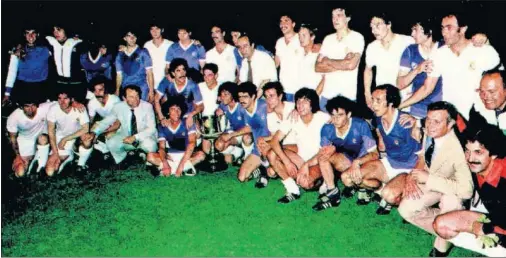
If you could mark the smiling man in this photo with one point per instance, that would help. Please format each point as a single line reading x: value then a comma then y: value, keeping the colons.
x: 222, y: 54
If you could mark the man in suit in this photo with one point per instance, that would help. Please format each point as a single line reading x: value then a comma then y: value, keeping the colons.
x: 136, y: 125
x: 444, y: 178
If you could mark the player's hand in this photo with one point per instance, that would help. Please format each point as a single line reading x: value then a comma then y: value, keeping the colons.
x: 165, y: 122
x: 424, y: 67
x: 189, y: 121
x: 294, y: 116
x: 326, y: 152
x: 420, y: 175
x: 179, y: 171
x: 151, y: 96
x: 78, y: 106
x: 61, y: 144
x: 263, y: 146
x: 56, y: 159
x: 5, y: 100
x: 316, y: 48
x: 121, y: 48
x: 411, y: 189
x: 479, y: 39
x: 291, y: 169
x: 368, y: 100
x: 488, y: 241
x: 129, y: 139
x: 219, y: 112
x: 407, y: 120
x: 116, y: 92
x: 303, y: 176
x: 166, y: 171
x: 226, y: 137
x: 103, y: 50
x: 196, y: 42
x: 356, y: 175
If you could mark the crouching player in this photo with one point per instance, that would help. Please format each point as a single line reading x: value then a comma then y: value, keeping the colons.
x: 293, y: 167
x: 233, y: 111
x: 181, y: 155
x: 346, y: 144
x: 27, y: 128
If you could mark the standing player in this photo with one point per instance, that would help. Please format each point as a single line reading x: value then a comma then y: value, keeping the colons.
x: 222, y: 55
x: 307, y: 76
x: 134, y: 67
x: 96, y: 62
x: 188, y: 49
x: 346, y: 144
x: 27, y: 127
x: 157, y: 48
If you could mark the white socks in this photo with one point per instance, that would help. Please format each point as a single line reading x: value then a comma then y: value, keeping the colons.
x: 42, y: 156
x: 101, y: 146
x: 84, y: 155
x: 234, y: 151
x: 323, y: 189
x: 291, y: 186
x: 65, y: 162
x: 247, y: 149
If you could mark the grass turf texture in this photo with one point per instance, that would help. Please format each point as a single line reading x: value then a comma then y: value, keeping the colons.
x: 130, y: 213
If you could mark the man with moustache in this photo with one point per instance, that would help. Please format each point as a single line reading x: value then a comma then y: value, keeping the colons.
x: 135, y: 67
x: 385, y: 53
x: 482, y: 228
x: 492, y: 107
x: 289, y: 54
x: 339, y: 58
x: 459, y: 64
x: 188, y: 49
x: 157, y: 48
x: 222, y: 54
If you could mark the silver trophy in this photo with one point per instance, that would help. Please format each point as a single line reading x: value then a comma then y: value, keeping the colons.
x: 211, y: 127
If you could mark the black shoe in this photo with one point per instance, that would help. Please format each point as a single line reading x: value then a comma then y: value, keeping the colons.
x: 375, y: 197
x: 327, y: 202
x: 404, y: 221
x: 364, y: 197
x: 289, y: 197
x: 436, y: 253
x: 80, y: 170
x: 383, y: 211
x: 237, y: 162
x: 348, y: 192
x: 255, y: 174
x: 153, y: 170
x: 262, y: 182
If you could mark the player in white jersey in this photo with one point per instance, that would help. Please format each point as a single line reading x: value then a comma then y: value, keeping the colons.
x: 209, y: 90
x: 339, y: 58
x: 307, y: 75
x: 291, y: 166
x: 101, y: 105
x: 384, y: 53
x: 157, y: 48
x: 222, y: 54
x: 65, y: 125
x: 289, y: 54
x: 27, y: 129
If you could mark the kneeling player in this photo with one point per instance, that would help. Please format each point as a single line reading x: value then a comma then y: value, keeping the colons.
x: 346, y: 144
x: 27, y: 128
x: 180, y: 156
x: 401, y: 149
x: 65, y: 125
x: 292, y: 165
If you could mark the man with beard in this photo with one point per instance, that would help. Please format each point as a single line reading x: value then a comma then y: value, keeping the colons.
x: 481, y: 229
x: 180, y: 85
x: 134, y: 67
x: 222, y: 55
x: 27, y: 127
x: 292, y: 166
x: 157, y: 48
x: 28, y: 68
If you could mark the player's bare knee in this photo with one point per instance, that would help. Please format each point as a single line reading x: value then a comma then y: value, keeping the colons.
x: 390, y: 195
x: 241, y: 175
x: 43, y: 139
x: 219, y: 145
x: 345, y: 178
x: 50, y: 171
x: 442, y: 227
x: 20, y: 171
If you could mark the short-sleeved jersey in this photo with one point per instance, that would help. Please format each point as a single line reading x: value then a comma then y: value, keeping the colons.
x: 355, y: 143
x: 27, y: 128
x: 274, y: 122
x: 234, y: 117
x: 225, y: 61
x: 133, y: 67
x: 100, y: 66
x: 307, y: 136
x: 67, y: 123
x: 257, y: 120
x: 290, y: 56
x: 192, y: 54
x: 411, y: 58
x: 158, y: 55
x: 95, y: 107
x: 177, y: 139
x: 401, y: 147
x: 190, y: 92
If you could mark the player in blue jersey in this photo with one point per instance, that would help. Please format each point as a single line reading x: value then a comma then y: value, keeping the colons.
x: 134, y: 67
x: 96, y: 61
x: 346, y: 144
x: 229, y: 107
x: 28, y: 67
x: 415, y: 63
x: 180, y: 156
x: 401, y: 148
x: 183, y: 86
x: 191, y: 51
x: 255, y: 117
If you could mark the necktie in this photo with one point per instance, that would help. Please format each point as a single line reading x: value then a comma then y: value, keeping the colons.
x: 133, y: 123
x: 250, y: 71
x: 429, y: 152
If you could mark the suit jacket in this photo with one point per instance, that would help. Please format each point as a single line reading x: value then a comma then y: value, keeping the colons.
x: 449, y: 172
x: 144, y: 115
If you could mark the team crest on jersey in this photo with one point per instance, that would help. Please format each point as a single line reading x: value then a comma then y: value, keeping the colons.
x: 354, y: 140
x: 396, y: 142
x: 239, y: 118
x: 183, y: 133
x: 104, y: 65
x: 413, y: 65
x: 194, y: 53
x: 472, y: 65
x: 138, y: 59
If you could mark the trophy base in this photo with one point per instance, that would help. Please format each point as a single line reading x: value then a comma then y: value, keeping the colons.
x: 213, y: 164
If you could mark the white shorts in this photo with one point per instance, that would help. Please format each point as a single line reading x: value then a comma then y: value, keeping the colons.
x: 26, y: 146
x: 176, y: 159
x: 392, y: 172
x: 68, y: 149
